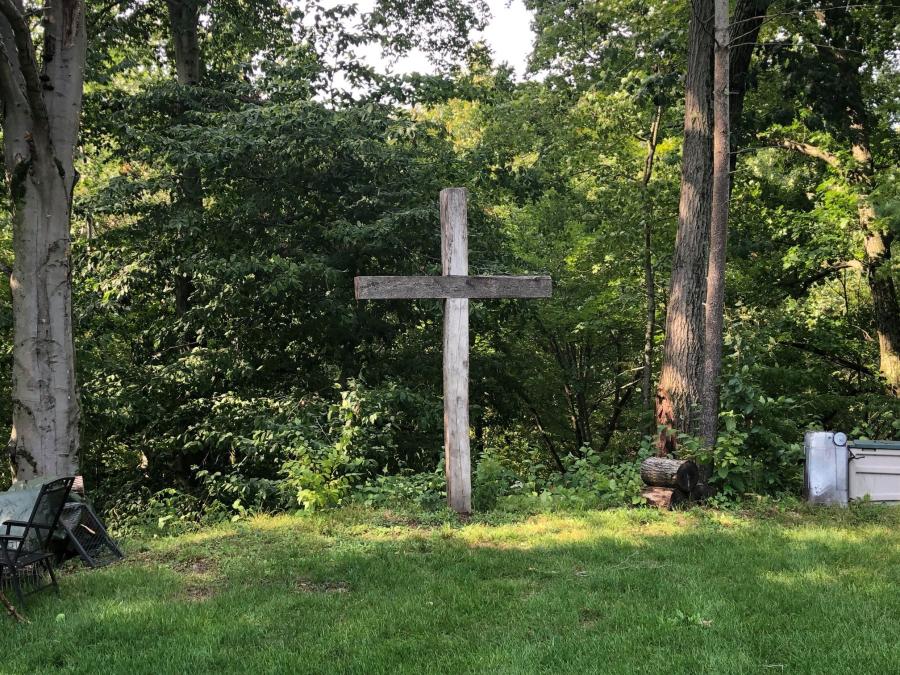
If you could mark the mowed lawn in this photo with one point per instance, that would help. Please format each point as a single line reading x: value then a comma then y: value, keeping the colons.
x: 355, y: 591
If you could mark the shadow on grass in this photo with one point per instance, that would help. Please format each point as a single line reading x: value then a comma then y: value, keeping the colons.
x: 597, y: 592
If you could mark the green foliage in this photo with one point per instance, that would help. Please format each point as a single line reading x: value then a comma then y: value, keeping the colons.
x: 425, y: 491
x: 225, y: 367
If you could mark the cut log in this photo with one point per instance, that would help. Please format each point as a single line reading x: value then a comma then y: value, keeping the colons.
x: 664, y: 498
x: 673, y: 473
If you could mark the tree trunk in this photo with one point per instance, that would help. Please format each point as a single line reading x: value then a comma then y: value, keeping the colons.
x: 649, y: 275
x: 718, y: 232
x: 41, y: 114
x: 884, y: 294
x: 184, y: 25
x: 44, y: 440
x: 878, y: 238
x: 747, y: 19
x: 673, y: 473
x: 678, y: 393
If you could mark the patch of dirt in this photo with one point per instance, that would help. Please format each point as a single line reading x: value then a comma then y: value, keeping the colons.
x: 198, y: 593
x: 588, y: 618
x: 307, y: 586
x: 197, y: 565
x: 201, y: 574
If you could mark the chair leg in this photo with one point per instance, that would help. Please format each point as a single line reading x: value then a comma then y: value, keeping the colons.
x: 17, y: 587
x: 49, y: 567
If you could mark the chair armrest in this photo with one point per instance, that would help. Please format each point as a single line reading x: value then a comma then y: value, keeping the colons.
x: 11, y: 537
x: 15, y: 523
x: 22, y: 523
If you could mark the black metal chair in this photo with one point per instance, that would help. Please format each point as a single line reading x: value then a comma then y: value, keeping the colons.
x: 87, y: 536
x: 23, y: 555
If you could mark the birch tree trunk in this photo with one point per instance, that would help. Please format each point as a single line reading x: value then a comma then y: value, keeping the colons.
x: 718, y: 231
x: 41, y: 114
x: 678, y: 392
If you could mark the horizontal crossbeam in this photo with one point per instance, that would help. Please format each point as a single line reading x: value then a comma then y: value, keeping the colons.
x: 484, y: 287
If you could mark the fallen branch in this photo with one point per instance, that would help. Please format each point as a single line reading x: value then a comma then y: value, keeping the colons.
x: 13, y: 612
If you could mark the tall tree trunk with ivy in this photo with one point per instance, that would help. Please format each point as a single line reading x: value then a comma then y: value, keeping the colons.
x: 842, y: 31
x: 41, y: 114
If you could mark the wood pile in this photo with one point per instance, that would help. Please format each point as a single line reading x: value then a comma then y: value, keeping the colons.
x: 672, y: 482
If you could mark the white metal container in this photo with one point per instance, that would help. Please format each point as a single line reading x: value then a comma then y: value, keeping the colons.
x: 875, y: 471
x: 827, y: 462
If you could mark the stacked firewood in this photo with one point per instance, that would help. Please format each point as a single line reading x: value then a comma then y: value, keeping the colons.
x: 671, y: 482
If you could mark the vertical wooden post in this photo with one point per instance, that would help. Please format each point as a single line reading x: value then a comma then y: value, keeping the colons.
x: 455, y: 261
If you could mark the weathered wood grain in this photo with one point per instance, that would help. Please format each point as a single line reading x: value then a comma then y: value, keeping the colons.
x: 456, y: 286
x: 455, y: 261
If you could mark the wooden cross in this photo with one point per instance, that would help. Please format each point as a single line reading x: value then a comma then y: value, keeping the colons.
x: 456, y: 288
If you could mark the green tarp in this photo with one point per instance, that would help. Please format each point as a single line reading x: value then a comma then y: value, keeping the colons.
x: 18, y: 501
x: 17, y: 504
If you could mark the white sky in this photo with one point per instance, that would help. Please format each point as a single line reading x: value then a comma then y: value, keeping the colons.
x: 508, y: 34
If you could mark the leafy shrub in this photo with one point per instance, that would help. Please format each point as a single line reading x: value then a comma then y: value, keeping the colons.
x: 587, y: 482
x: 491, y: 480
x: 758, y: 448
x: 418, y: 490
x: 168, y: 511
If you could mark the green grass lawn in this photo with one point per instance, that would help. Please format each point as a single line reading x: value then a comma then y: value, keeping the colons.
x: 352, y: 591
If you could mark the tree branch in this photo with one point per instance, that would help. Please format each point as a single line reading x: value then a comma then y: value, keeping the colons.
x: 824, y: 273
x: 26, y: 63
x: 834, y: 358
x: 809, y: 150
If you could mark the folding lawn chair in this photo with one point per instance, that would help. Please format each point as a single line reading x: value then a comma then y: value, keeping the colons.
x: 26, y: 555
